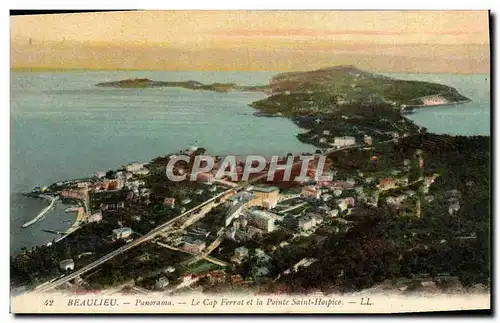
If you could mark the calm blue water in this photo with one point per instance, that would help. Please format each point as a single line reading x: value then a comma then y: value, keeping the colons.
x: 462, y: 119
x: 64, y: 127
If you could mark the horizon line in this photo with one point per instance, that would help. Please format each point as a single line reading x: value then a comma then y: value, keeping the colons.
x: 104, y: 69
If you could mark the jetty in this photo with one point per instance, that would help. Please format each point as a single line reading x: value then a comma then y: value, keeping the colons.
x: 40, y: 215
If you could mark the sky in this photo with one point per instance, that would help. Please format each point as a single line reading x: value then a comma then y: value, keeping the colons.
x: 385, y: 41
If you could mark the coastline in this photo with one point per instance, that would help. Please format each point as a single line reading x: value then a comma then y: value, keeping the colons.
x: 42, y: 213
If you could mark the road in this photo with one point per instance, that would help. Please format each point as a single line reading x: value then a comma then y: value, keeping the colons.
x: 161, y: 228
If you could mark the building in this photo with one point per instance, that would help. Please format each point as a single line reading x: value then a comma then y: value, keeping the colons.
x: 162, y: 283
x: 134, y: 167
x: 322, y: 140
x: 262, y: 193
x: 368, y: 140
x: 234, y: 212
x: 386, y: 184
x: 306, y: 223
x: 334, y: 213
x: 122, y: 233
x: 311, y: 191
x: 67, y: 264
x: 326, y: 132
x: 194, y: 246
x: 239, y: 255
x: 269, y: 203
x: 80, y: 194
x: 262, y: 219
x: 169, y: 201
x: 186, y: 201
x: 344, y: 141
x: 100, y: 174
x: 454, y: 208
x: 96, y: 217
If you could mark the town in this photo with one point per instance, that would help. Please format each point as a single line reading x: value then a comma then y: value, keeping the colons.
x: 137, y: 231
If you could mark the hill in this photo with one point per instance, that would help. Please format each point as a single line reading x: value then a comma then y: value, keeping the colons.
x: 343, y: 88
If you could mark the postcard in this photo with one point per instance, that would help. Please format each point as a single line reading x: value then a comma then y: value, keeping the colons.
x: 333, y: 162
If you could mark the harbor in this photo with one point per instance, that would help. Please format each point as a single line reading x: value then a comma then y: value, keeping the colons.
x: 41, y: 215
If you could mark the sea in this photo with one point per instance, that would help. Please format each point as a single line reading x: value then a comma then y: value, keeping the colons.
x: 64, y: 127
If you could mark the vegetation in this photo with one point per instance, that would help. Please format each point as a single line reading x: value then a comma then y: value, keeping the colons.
x: 192, y: 85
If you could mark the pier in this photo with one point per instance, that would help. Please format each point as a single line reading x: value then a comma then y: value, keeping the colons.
x: 44, y: 211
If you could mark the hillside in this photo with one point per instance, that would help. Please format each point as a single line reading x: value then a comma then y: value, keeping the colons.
x: 342, y: 89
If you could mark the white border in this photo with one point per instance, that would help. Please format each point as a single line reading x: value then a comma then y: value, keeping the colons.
x: 190, y: 4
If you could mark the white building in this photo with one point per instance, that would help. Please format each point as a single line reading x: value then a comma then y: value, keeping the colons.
x: 162, y: 282
x: 262, y: 219
x: 134, y: 167
x: 100, y: 174
x: 96, y: 217
x: 122, y: 233
x: 306, y: 223
x: 67, y: 264
x: 344, y: 141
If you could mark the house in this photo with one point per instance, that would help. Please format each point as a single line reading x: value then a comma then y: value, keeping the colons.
x: 334, y: 213
x: 317, y: 218
x: 454, y: 208
x: 344, y: 141
x: 326, y: 132
x: 199, y: 191
x: 368, y: 140
x: 67, y: 264
x: 161, y: 283
x: 306, y: 223
x: 96, y: 217
x: 337, y: 192
x: 386, y: 184
x: 304, y: 262
x: 120, y: 205
x: 429, y: 198
x: 241, y: 252
x: 311, y: 191
x: 100, y: 174
x: 169, y: 201
x: 122, y: 233
x: 134, y: 167
x: 326, y: 197
x: 186, y: 201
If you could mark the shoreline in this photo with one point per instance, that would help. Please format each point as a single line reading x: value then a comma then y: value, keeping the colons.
x: 42, y: 213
